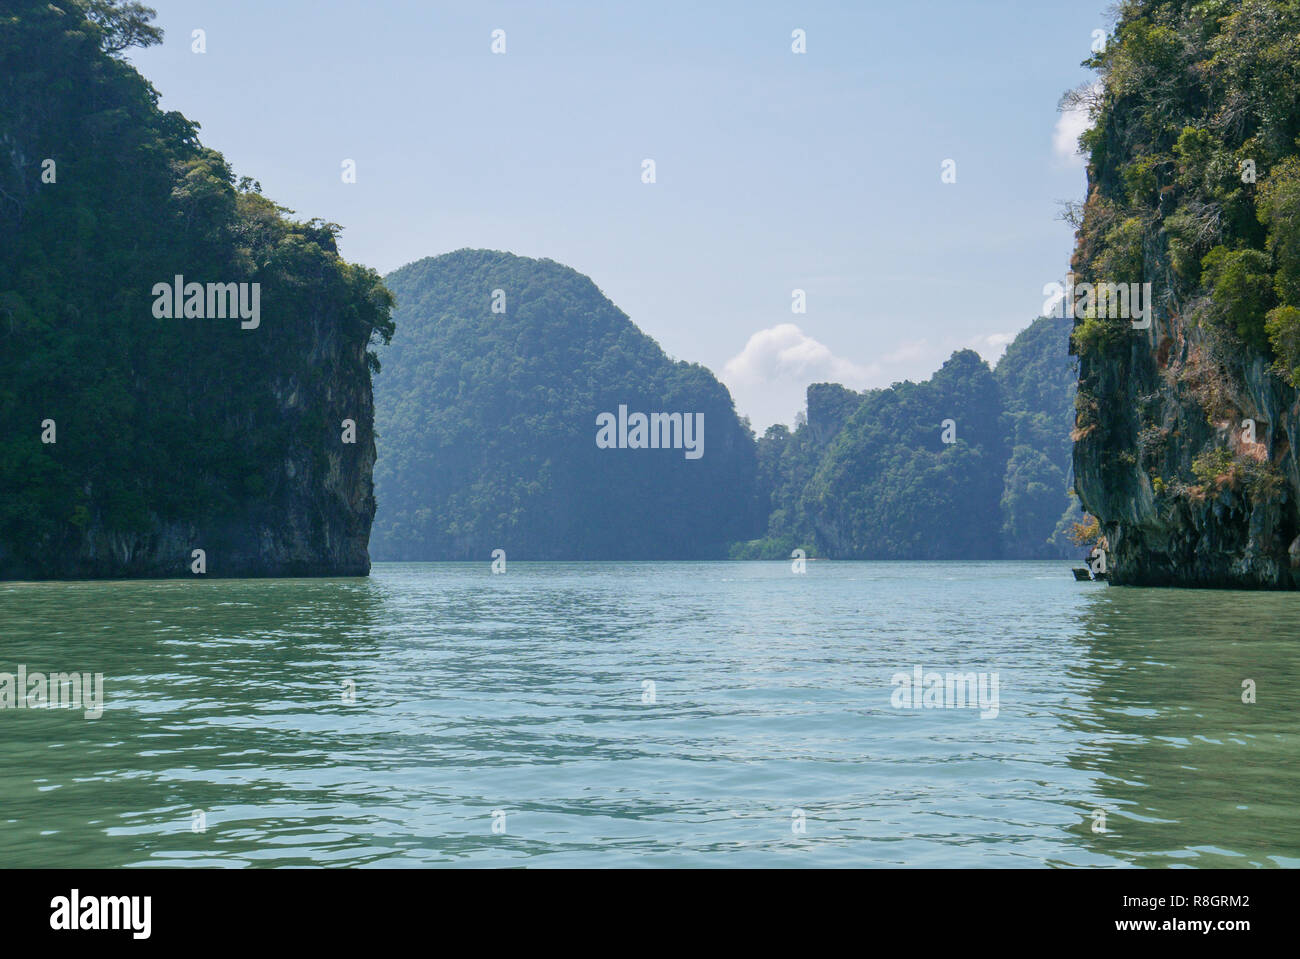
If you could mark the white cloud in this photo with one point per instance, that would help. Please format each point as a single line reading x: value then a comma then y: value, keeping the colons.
x: 992, y: 346
x: 1072, y: 122
x: 786, y: 352
x: 769, y: 378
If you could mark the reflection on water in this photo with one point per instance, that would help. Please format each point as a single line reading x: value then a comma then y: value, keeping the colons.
x: 1190, y: 774
x: 526, y: 693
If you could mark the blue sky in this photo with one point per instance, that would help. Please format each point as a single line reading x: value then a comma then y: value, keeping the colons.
x: 775, y: 171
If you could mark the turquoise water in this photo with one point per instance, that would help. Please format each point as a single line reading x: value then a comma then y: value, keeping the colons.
x: 525, y: 693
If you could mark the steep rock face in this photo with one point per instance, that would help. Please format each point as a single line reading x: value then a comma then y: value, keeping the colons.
x: 131, y: 433
x: 313, y: 519
x: 1184, y: 434
x: 1174, y: 398
x: 829, y: 407
x: 303, y: 506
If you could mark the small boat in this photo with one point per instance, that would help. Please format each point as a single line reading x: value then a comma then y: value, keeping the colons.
x: 1096, y: 568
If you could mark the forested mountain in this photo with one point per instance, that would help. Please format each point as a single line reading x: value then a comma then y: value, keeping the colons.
x: 1037, y: 377
x: 487, y: 418
x: 1187, y: 423
x: 133, y: 433
x: 487, y: 415
x: 970, y: 464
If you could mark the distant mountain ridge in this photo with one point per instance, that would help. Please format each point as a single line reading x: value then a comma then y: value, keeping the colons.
x: 508, y: 418
x: 489, y: 412
x: 870, y: 476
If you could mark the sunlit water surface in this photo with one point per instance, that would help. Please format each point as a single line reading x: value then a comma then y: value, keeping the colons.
x: 526, y: 693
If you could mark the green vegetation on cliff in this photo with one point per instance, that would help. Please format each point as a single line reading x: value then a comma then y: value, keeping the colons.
x: 1185, y: 429
x: 1195, y: 182
x: 168, y: 433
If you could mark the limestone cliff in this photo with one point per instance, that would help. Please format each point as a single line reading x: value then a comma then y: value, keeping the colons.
x: 233, y: 416
x: 1184, y: 448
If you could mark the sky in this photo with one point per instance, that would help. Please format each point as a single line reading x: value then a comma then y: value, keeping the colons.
x: 774, y: 171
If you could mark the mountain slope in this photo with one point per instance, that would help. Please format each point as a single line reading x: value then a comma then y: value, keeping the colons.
x: 1036, y: 376
x: 488, y: 424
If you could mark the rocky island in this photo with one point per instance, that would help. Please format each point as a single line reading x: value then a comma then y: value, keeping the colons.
x: 232, y: 436
x: 1184, y: 426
